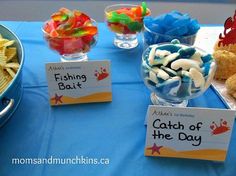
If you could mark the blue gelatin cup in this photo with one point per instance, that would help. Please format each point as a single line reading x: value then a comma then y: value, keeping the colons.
x: 151, y: 37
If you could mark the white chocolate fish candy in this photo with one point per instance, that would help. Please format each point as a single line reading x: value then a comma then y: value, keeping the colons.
x: 184, y: 73
x: 197, y: 77
x: 153, y: 77
x: 152, y: 55
x: 160, y: 73
x: 185, y: 64
x: 155, y: 69
x: 164, y: 60
x: 170, y: 58
x: 169, y: 71
x: 162, y: 53
x: 197, y: 57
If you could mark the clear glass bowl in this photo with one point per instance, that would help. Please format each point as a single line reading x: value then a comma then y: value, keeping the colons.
x: 72, y: 48
x: 125, y: 29
x: 150, y: 37
x: 176, y: 90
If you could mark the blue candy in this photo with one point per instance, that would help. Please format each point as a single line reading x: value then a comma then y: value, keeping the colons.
x: 185, y: 88
x: 170, y: 47
x: 167, y: 86
x: 193, y: 27
x: 169, y: 26
x: 206, y: 68
x: 206, y: 58
x: 187, y: 52
x: 160, y: 80
x: 169, y: 71
x: 151, y: 83
x: 195, y: 89
x: 156, y: 28
x: 184, y: 21
x: 175, y: 41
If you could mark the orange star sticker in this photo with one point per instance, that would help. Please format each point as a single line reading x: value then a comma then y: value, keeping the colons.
x: 155, y: 148
x: 57, y: 99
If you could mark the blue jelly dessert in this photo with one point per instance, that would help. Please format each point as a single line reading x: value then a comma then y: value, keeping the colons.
x: 169, y: 26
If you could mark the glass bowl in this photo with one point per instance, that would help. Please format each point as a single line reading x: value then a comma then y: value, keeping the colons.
x: 125, y: 27
x: 174, y: 83
x: 72, y: 48
x: 151, y: 37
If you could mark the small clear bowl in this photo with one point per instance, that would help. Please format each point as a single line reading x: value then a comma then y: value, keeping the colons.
x: 72, y: 48
x: 125, y: 31
x: 168, y: 93
x: 151, y: 37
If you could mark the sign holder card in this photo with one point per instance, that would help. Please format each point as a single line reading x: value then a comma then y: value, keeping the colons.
x: 79, y: 82
x: 194, y: 133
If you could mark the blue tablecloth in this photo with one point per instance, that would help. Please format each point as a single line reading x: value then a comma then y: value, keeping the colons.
x: 112, y: 130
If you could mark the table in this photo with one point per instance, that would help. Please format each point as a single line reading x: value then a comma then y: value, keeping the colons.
x: 112, y: 130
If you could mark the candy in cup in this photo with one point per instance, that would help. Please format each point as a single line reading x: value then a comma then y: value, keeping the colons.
x: 169, y: 26
x: 71, y: 33
x: 126, y: 21
x: 176, y: 72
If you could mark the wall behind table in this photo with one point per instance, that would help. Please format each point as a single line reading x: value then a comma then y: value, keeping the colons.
x: 40, y: 10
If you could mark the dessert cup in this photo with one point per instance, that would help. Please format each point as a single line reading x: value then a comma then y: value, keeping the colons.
x: 126, y: 27
x: 171, y: 86
x: 151, y: 37
x: 72, y: 48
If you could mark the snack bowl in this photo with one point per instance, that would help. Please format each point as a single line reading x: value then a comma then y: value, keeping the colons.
x: 126, y: 21
x: 176, y: 72
x: 11, y: 96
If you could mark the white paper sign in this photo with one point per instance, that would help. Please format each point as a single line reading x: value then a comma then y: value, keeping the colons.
x: 79, y: 82
x: 188, y: 132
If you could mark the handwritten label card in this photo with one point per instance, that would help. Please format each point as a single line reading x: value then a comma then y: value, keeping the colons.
x: 79, y: 82
x: 188, y: 132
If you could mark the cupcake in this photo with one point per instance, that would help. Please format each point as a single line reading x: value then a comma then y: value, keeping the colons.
x: 225, y: 57
x: 225, y: 50
x: 231, y: 85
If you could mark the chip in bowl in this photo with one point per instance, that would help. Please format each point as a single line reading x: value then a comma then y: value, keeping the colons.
x: 9, y: 64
